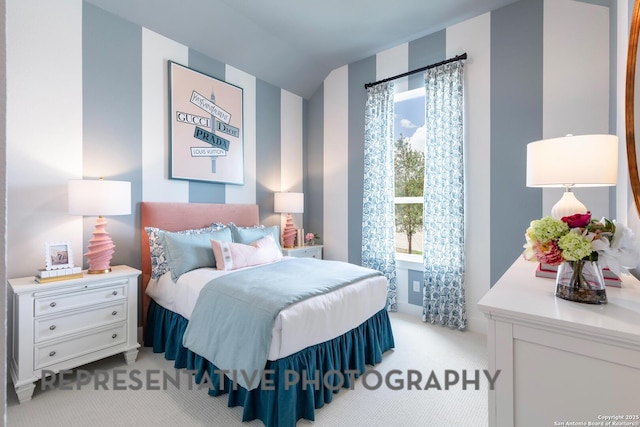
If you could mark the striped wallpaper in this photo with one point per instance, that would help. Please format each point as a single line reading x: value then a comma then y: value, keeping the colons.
x: 100, y: 83
x: 113, y: 76
x: 526, y: 78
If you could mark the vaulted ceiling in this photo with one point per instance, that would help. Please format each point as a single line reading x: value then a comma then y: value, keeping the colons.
x: 295, y: 44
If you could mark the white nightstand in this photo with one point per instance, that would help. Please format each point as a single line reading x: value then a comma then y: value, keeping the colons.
x: 66, y: 324
x: 314, y: 251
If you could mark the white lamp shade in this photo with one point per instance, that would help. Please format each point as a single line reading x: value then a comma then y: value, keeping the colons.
x: 288, y: 202
x: 99, y: 197
x: 575, y: 161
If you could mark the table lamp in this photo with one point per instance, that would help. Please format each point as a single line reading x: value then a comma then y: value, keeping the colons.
x: 99, y: 197
x: 572, y: 161
x: 288, y: 203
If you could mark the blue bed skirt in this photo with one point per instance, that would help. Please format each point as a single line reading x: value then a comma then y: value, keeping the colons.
x: 279, y: 406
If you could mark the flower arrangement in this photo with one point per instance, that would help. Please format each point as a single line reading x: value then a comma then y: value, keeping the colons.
x: 311, y: 237
x: 578, y: 237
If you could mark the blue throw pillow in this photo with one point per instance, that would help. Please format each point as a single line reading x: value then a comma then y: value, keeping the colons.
x: 186, y: 252
x: 248, y: 235
x: 159, y: 264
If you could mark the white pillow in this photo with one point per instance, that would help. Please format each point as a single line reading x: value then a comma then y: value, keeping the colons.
x: 231, y: 256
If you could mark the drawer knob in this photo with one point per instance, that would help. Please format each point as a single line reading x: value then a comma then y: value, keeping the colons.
x: 114, y: 335
x: 53, y: 353
x: 115, y: 292
x: 53, y: 304
x: 52, y: 327
x: 113, y: 313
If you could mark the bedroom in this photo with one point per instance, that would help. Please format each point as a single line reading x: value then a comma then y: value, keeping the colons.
x: 305, y: 144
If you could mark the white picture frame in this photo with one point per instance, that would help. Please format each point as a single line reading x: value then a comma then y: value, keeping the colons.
x: 58, y: 255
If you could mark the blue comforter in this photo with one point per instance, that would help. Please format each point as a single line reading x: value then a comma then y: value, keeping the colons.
x: 232, y: 320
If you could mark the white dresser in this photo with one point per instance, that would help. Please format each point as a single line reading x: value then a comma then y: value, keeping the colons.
x: 65, y: 324
x: 561, y: 361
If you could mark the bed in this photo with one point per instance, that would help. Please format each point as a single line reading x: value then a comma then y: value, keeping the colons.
x: 329, y: 337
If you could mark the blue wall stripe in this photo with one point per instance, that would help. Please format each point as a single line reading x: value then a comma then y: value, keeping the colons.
x: 359, y: 73
x: 206, y: 192
x: 268, y: 149
x: 516, y: 120
x: 415, y: 298
x: 314, y: 186
x: 426, y: 51
x: 112, y: 118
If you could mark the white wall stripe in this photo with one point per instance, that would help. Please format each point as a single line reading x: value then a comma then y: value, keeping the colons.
x: 392, y: 62
x: 156, y: 51
x: 625, y: 207
x: 336, y: 164
x: 473, y: 37
x: 44, y: 128
x: 245, y: 193
x: 291, y: 147
x: 291, y: 141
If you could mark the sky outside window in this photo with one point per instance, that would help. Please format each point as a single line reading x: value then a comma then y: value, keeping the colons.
x: 410, y: 117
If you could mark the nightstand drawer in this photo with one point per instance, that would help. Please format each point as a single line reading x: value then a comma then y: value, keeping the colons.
x: 305, y: 252
x: 81, y: 298
x: 56, y: 326
x: 50, y: 354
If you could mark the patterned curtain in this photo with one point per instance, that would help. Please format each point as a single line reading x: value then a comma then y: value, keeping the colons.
x: 443, y: 297
x: 378, y: 209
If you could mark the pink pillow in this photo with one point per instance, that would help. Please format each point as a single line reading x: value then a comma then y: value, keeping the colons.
x: 231, y: 256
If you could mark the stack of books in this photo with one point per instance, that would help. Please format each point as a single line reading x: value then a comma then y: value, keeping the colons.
x: 550, y: 271
x: 45, y: 276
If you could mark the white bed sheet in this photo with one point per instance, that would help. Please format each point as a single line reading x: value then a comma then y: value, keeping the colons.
x: 308, y: 322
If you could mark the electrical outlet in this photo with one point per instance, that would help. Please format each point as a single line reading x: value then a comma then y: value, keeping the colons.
x: 416, y: 286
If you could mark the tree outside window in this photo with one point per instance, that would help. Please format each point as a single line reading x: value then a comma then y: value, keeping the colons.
x: 409, y: 170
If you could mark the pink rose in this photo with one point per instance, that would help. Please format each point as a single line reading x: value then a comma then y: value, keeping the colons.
x: 577, y: 220
x: 548, y: 253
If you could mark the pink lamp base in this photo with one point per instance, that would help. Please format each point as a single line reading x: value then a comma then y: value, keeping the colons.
x: 100, y: 249
x: 289, y: 233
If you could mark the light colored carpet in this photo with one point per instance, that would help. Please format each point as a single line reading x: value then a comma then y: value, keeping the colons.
x: 419, y: 347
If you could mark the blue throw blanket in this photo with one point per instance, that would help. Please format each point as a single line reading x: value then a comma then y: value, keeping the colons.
x: 233, y: 317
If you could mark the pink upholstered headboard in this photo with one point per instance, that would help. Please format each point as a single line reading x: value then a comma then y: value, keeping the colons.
x: 182, y: 216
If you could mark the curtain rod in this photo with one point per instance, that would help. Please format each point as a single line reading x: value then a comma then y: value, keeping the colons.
x: 446, y: 61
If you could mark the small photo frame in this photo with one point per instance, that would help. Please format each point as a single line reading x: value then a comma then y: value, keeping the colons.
x: 58, y: 255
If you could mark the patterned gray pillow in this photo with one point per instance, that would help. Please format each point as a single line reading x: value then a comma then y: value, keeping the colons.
x: 159, y: 264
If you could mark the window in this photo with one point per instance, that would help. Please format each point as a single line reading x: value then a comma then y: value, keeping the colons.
x: 409, y: 158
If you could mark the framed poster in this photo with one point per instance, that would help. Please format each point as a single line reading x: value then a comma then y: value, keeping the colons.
x: 206, y: 136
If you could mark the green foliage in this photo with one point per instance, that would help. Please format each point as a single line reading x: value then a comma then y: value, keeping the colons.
x: 409, y: 182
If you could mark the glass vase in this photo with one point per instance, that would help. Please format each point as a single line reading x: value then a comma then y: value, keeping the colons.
x: 581, y: 281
